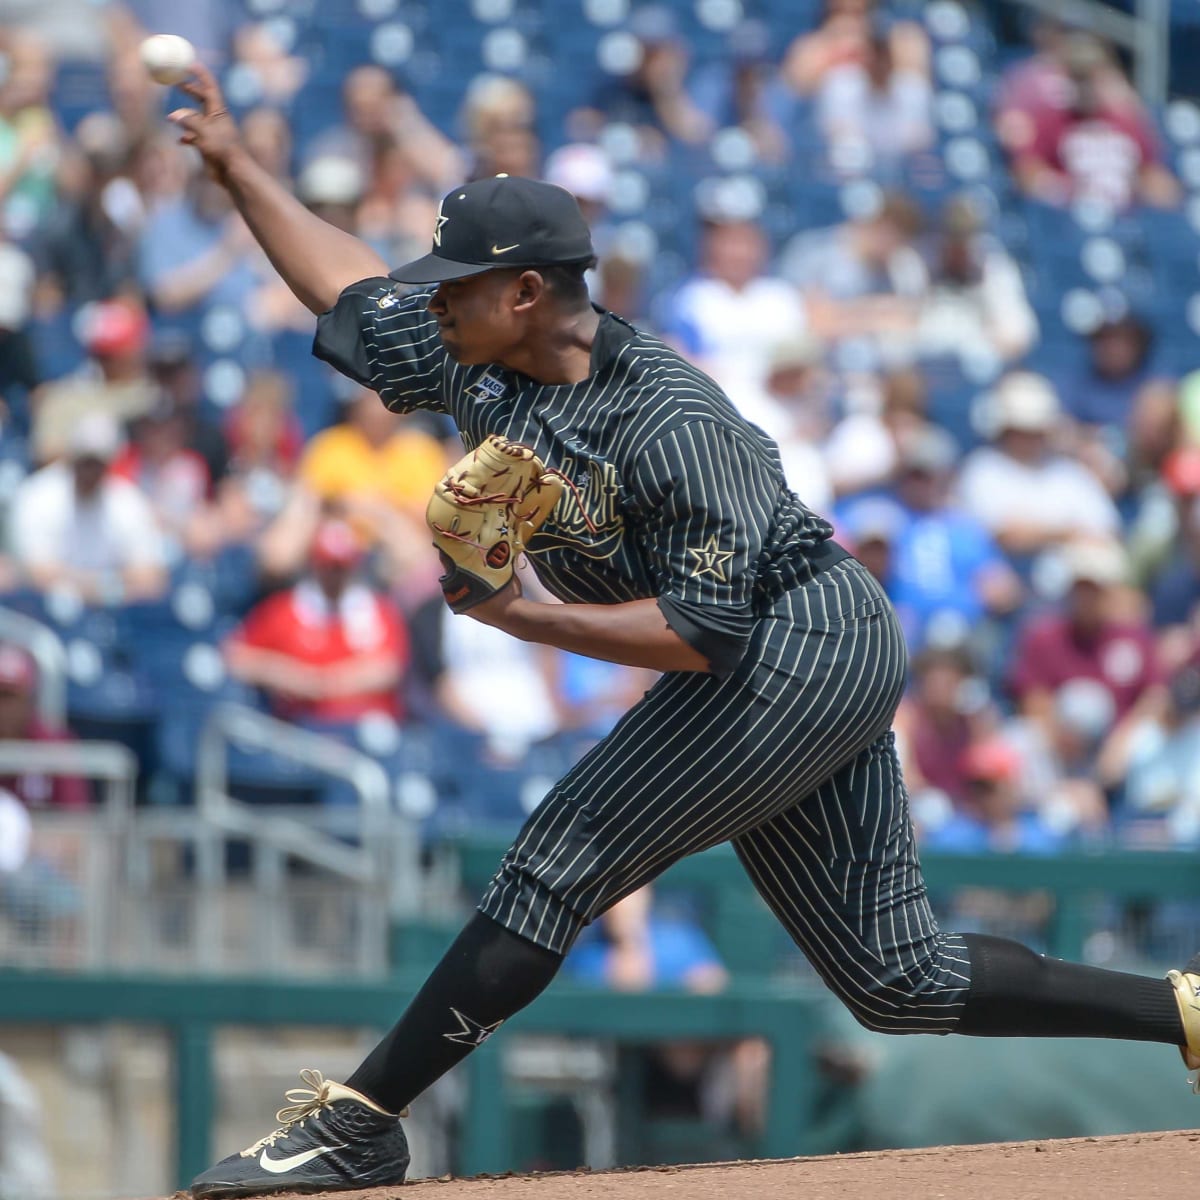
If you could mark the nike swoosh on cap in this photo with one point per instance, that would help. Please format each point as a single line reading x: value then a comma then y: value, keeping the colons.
x: 504, y: 249
x: 280, y: 1166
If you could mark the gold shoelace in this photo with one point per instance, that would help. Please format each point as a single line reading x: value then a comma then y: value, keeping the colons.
x: 304, y: 1103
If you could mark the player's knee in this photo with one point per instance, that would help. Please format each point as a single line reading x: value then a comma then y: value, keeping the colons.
x: 899, y: 1003
x: 880, y: 1013
x: 520, y: 900
x: 879, y: 1016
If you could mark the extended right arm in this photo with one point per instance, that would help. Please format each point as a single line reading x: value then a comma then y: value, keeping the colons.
x: 315, y: 259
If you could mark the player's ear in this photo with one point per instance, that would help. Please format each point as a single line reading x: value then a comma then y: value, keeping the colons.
x: 531, y: 287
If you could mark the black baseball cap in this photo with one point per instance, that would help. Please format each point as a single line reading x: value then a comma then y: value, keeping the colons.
x: 506, y: 221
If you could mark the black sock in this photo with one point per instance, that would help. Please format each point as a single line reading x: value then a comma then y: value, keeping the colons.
x: 1017, y: 993
x: 486, y: 976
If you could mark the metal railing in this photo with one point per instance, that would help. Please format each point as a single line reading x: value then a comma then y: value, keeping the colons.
x: 1145, y: 34
x: 97, y: 837
x: 169, y: 887
x: 368, y: 844
x: 48, y: 652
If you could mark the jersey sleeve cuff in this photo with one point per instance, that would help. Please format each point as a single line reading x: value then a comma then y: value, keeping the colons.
x: 697, y: 625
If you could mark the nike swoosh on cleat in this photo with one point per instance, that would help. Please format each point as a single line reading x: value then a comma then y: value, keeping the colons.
x: 280, y: 1166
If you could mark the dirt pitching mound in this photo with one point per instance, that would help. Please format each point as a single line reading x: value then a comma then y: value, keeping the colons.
x: 1130, y: 1166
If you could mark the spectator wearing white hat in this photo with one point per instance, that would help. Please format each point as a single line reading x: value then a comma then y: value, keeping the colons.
x: 586, y: 172
x: 75, y: 525
x: 862, y: 450
x: 792, y: 405
x: 331, y: 185
x: 1025, y: 492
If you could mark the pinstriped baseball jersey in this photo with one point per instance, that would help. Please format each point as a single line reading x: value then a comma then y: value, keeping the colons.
x: 676, y: 496
x: 784, y: 747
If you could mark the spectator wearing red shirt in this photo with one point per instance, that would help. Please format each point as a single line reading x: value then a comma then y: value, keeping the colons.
x: 329, y: 649
x: 947, y: 709
x: 1042, y: 81
x: 19, y: 722
x: 1097, y: 145
x: 1089, y: 640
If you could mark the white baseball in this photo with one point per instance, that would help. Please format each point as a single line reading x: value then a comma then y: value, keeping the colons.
x: 167, y: 57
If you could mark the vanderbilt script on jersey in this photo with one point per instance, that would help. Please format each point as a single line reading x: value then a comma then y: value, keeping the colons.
x: 596, y: 497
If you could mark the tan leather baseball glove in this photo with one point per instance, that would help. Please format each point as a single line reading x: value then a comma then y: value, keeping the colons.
x: 483, y: 512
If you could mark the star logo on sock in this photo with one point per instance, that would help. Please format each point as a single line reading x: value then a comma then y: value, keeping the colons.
x: 469, y: 1032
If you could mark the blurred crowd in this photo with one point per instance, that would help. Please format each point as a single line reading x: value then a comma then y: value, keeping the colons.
x: 951, y: 278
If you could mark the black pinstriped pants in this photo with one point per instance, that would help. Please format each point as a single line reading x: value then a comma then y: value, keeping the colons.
x: 791, y: 759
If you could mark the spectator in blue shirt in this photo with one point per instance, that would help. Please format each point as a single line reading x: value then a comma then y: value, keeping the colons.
x: 640, y: 946
x: 946, y: 564
x: 636, y: 947
x: 946, y: 571
x: 1103, y: 391
x: 870, y: 527
x: 1162, y: 788
x: 196, y: 250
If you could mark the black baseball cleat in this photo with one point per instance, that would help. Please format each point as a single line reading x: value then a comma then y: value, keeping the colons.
x: 1187, y: 995
x: 330, y: 1139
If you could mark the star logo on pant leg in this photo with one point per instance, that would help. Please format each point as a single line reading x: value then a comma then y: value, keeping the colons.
x: 709, y: 560
x: 469, y: 1032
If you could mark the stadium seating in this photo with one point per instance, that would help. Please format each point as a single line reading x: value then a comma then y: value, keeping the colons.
x: 151, y: 674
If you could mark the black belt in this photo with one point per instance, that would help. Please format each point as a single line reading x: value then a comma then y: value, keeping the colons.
x: 827, y: 554
x: 820, y: 558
